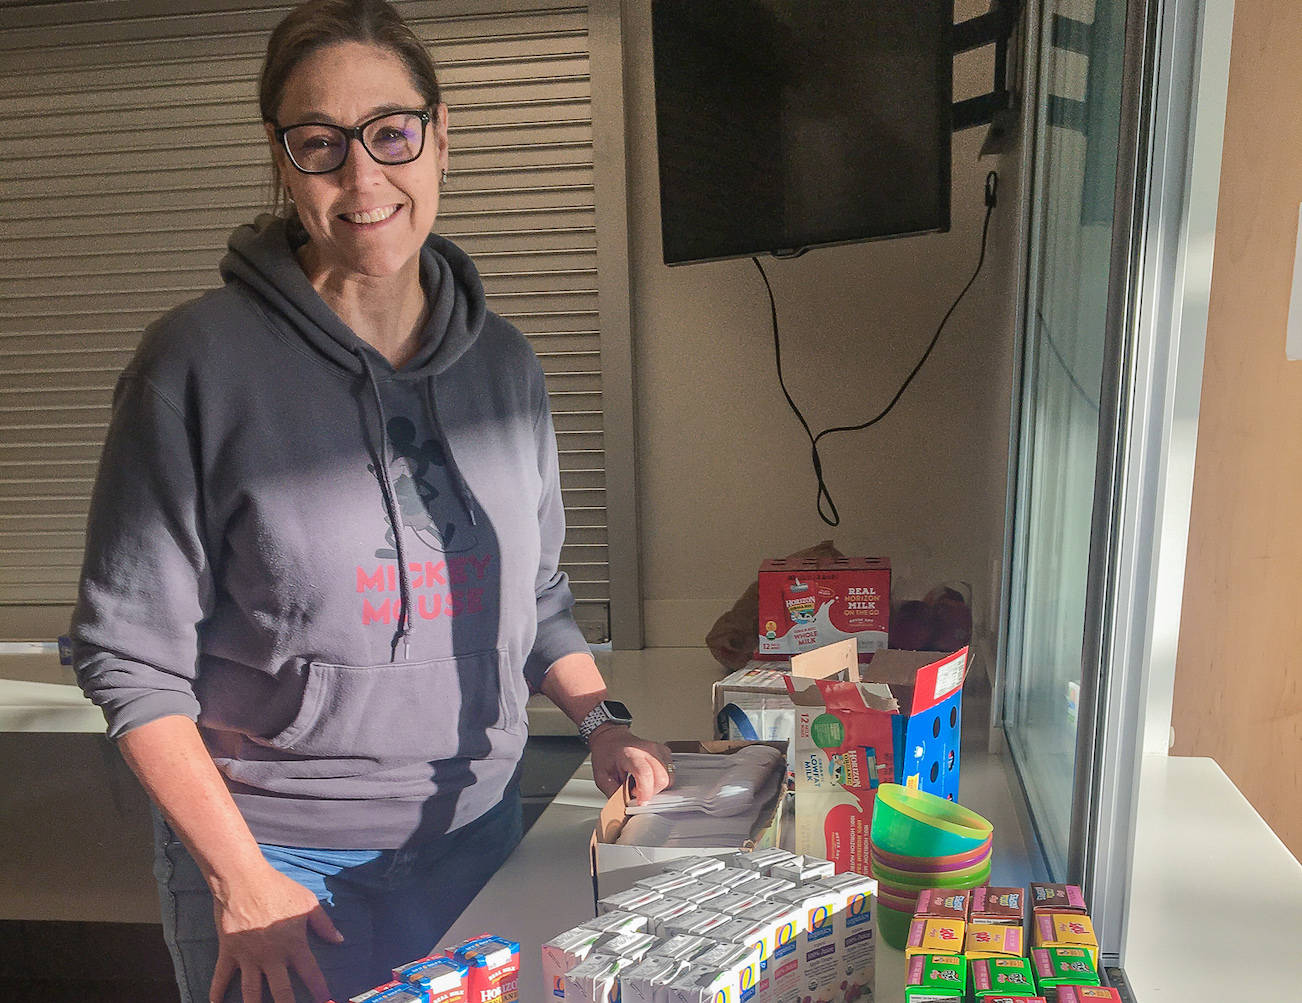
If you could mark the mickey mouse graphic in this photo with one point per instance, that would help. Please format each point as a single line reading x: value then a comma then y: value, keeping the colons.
x: 434, y: 518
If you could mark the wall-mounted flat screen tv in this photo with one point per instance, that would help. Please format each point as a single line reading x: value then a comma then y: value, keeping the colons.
x: 789, y: 124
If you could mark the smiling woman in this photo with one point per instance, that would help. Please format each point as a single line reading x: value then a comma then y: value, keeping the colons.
x: 335, y: 777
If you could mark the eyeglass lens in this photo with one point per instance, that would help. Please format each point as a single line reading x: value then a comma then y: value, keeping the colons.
x: 392, y: 139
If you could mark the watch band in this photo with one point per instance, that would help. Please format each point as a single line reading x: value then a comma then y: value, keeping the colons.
x: 606, y: 712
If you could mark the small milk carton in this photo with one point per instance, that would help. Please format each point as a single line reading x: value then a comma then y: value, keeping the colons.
x: 763, y: 860
x: 442, y: 979
x: 855, y: 924
x: 617, y: 921
x: 629, y: 947
x: 494, y: 964
x: 801, y: 870
x: 681, y: 948
x: 665, y: 882
x: 694, y: 866
x: 391, y: 992
x: 628, y: 900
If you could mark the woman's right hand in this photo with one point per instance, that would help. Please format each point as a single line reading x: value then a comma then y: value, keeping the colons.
x: 262, y: 923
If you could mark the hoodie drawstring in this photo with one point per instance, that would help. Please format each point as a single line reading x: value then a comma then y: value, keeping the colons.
x: 463, y: 489
x: 403, y: 631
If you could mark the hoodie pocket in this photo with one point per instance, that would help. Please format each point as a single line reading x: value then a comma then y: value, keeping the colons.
x: 432, y: 710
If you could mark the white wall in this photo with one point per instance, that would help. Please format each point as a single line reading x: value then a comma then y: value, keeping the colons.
x: 724, y: 471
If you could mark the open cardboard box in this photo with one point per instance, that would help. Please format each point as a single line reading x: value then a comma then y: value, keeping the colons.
x: 900, y: 725
x: 616, y: 866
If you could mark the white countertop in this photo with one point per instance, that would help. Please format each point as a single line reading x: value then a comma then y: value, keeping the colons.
x: 1215, y: 909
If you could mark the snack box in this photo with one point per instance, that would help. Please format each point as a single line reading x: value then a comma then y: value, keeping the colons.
x: 994, y: 904
x: 391, y: 992
x: 494, y: 964
x: 808, y: 602
x: 935, y: 977
x: 990, y: 940
x: 934, y: 936
x: 1063, y: 966
x: 442, y: 979
x: 942, y: 903
x: 622, y: 862
x: 1088, y: 994
x: 1065, y: 929
x: 1002, y: 977
x: 896, y: 720
x: 1048, y: 897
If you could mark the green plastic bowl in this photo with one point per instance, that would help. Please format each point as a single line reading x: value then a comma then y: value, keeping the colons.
x: 893, y: 926
x: 913, y: 823
x: 898, y: 882
x: 940, y: 879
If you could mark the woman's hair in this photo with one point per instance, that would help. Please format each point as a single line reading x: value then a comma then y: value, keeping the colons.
x: 320, y: 23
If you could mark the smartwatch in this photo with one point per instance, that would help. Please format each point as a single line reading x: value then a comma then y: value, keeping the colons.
x: 606, y: 712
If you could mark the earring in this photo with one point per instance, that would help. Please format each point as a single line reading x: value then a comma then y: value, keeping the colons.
x: 445, y: 175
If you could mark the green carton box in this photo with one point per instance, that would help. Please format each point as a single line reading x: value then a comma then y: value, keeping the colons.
x: 1002, y: 977
x: 935, y: 978
x: 1063, y: 966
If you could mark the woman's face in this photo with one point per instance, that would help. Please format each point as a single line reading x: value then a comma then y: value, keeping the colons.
x: 365, y: 218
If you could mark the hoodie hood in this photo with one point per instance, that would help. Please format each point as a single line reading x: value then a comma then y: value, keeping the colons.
x: 260, y: 255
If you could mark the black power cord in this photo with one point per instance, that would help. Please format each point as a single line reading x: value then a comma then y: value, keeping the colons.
x: 824, y: 495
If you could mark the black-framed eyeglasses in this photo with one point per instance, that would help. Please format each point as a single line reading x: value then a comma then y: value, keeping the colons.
x: 396, y: 137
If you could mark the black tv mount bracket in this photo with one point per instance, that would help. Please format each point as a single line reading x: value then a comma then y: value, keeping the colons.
x: 995, y: 27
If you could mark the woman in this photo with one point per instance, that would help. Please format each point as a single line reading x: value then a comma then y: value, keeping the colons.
x: 321, y: 569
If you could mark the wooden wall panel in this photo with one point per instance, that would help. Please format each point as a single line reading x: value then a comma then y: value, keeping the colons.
x: 1237, y: 693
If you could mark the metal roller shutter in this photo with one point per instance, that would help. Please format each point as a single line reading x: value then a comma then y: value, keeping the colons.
x: 133, y: 147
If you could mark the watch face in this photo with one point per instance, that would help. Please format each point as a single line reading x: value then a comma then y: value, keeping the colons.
x: 617, y: 710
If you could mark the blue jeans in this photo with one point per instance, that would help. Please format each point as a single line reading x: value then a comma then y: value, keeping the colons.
x: 392, y: 906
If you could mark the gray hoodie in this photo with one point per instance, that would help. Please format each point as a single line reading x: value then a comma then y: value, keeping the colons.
x: 346, y: 574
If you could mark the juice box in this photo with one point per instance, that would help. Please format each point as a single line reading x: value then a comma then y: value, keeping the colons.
x: 807, y: 602
x: 934, y: 936
x: 494, y: 964
x: 657, y: 913
x: 694, y: 866
x: 988, y: 940
x: 665, y: 882
x: 565, y: 952
x: 1048, y: 897
x: 763, y: 860
x: 729, y: 877
x: 1063, y: 966
x: 391, y: 992
x: 994, y: 904
x: 855, y: 924
x: 700, y: 892
x: 642, y: 982
x: 935, y: 977
x: 1065, y: 929
x: 630, y: 947
x: 628, y: 900
x: 815, y: 972
x: 1002, y: 977
x: 742, y: 959
x: 942, y: 903
x: 698, y: 923
x: 617, y: 921
x: 441, y: 978
x: 779, y: 927
x: 594, y: 980
x: 681, y: 948
x: 1088, y: 994
x: 801, y: 870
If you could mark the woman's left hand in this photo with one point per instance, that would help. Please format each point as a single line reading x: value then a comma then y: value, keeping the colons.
x: 617, y: 753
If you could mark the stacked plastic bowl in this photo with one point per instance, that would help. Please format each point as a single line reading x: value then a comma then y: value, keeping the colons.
x: 922, y: 841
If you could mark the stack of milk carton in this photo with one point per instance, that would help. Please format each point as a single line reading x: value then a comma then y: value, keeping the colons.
x: 762, y: 927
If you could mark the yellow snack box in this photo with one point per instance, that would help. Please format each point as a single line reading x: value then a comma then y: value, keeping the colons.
x: 934, y: 936
x: 1066, y: 929
x: 990, y: 940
